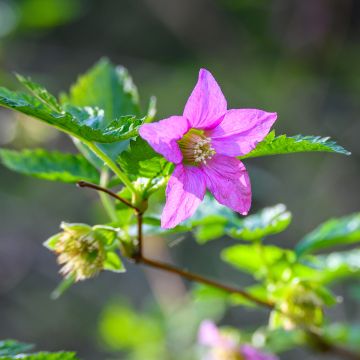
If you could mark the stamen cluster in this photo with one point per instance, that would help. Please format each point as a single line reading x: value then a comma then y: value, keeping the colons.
x: 80, y: 253
x: 196, y: 147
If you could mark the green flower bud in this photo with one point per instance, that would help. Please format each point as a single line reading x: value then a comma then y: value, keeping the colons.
x: 79, y: 251
x: 303, y: 305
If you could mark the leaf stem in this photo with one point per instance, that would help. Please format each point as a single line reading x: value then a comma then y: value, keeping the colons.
x: 111, y: 164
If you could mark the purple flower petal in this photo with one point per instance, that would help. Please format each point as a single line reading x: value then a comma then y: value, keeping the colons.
x: 240, y: 131
x: 251, y: 353
x: 228, y: 180
x: 206, y: 105
x: 209, y: 334
x: 163, y: 135
x: 184, y: 192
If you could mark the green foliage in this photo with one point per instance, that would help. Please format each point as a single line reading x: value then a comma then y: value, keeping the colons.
x: 13, y: 347
x: 40, y: 92
x: 142, y: 161
x: 255, y: 259
x: 340, y: 231
x: 54, y: 166
x: 106, y: 87
x: 276, y: 145
x: 44, y: 356
x: 268, y: 221
x: 159, y: 333
x: 85, y: 123
x: 345, y: 334
x: 338, y: 265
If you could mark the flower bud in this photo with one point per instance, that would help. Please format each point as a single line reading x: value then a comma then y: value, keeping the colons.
x: 79, y: 251
x: 303, y: 306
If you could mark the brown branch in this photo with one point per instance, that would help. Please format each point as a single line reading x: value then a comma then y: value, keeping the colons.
x: 201, y: 279
x: 109, y: 192
x: 321, y: 343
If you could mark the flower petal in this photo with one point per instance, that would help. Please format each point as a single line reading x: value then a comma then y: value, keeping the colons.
x: 209, y: 334
x: 228, y: 180
x: 240, y: 131
x: 249, y: 352
x: 163, y: 135
x: 206, y: 105
x: 184, y: 192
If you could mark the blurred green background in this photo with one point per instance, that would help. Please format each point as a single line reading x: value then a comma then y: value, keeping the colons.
x: 297, y: 57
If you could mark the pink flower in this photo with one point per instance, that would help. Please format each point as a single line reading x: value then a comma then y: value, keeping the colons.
x: 223, y: 347
x: 203, y: 144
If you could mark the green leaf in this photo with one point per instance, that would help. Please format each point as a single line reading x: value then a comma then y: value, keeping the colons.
x: 340, y: 231
x: 40, y: 92
x: 275, y: 145
x: 13, y: 347
x: 113, y: 262
x: 268, y: 221
x: 345, y: 334
x: 54, y: 166
x: 44, y: 356
x: 85, y: 123
x: 255, y: 261
x: 142, y: 161
x: 338, y: 265
x: 107, y: 87
x: 52, y: 241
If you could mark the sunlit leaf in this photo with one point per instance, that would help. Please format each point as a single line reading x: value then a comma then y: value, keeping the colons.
x: 107, y: 87
x: 340, y: 231
x: 254, y: 259
x: 113, y: 262
x: 275, y: 145
x: 268, y: 221
x: 85, y: 123
x: 54, y: 166
x: 142, y: 161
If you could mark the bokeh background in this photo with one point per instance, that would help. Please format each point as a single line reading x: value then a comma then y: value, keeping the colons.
x: 297, y: 57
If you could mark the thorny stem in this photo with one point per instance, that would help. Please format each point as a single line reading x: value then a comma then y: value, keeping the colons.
x: 321, y: 343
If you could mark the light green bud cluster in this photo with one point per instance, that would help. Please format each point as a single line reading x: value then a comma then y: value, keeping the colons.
x: 79, y: 252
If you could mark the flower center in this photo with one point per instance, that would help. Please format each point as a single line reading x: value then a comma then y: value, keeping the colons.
x: 196, y: 147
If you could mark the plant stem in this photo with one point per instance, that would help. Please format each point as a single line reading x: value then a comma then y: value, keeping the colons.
x: 317, y: 338
x: 201, y: 279
x: 105, y: 200
x: 109, y: 192
x: 111, y: 164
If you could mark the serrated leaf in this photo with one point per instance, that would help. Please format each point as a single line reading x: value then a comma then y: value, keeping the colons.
x: 340, y: 231
x: 275, y: 145
x: 54, y: 166
x: 268, y: 221
x: 13, y: 347
x: 107, y: 87
x: 113, y: 262
x: 85, y: 123
x: 142, y: 161
x: 40, y: 92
